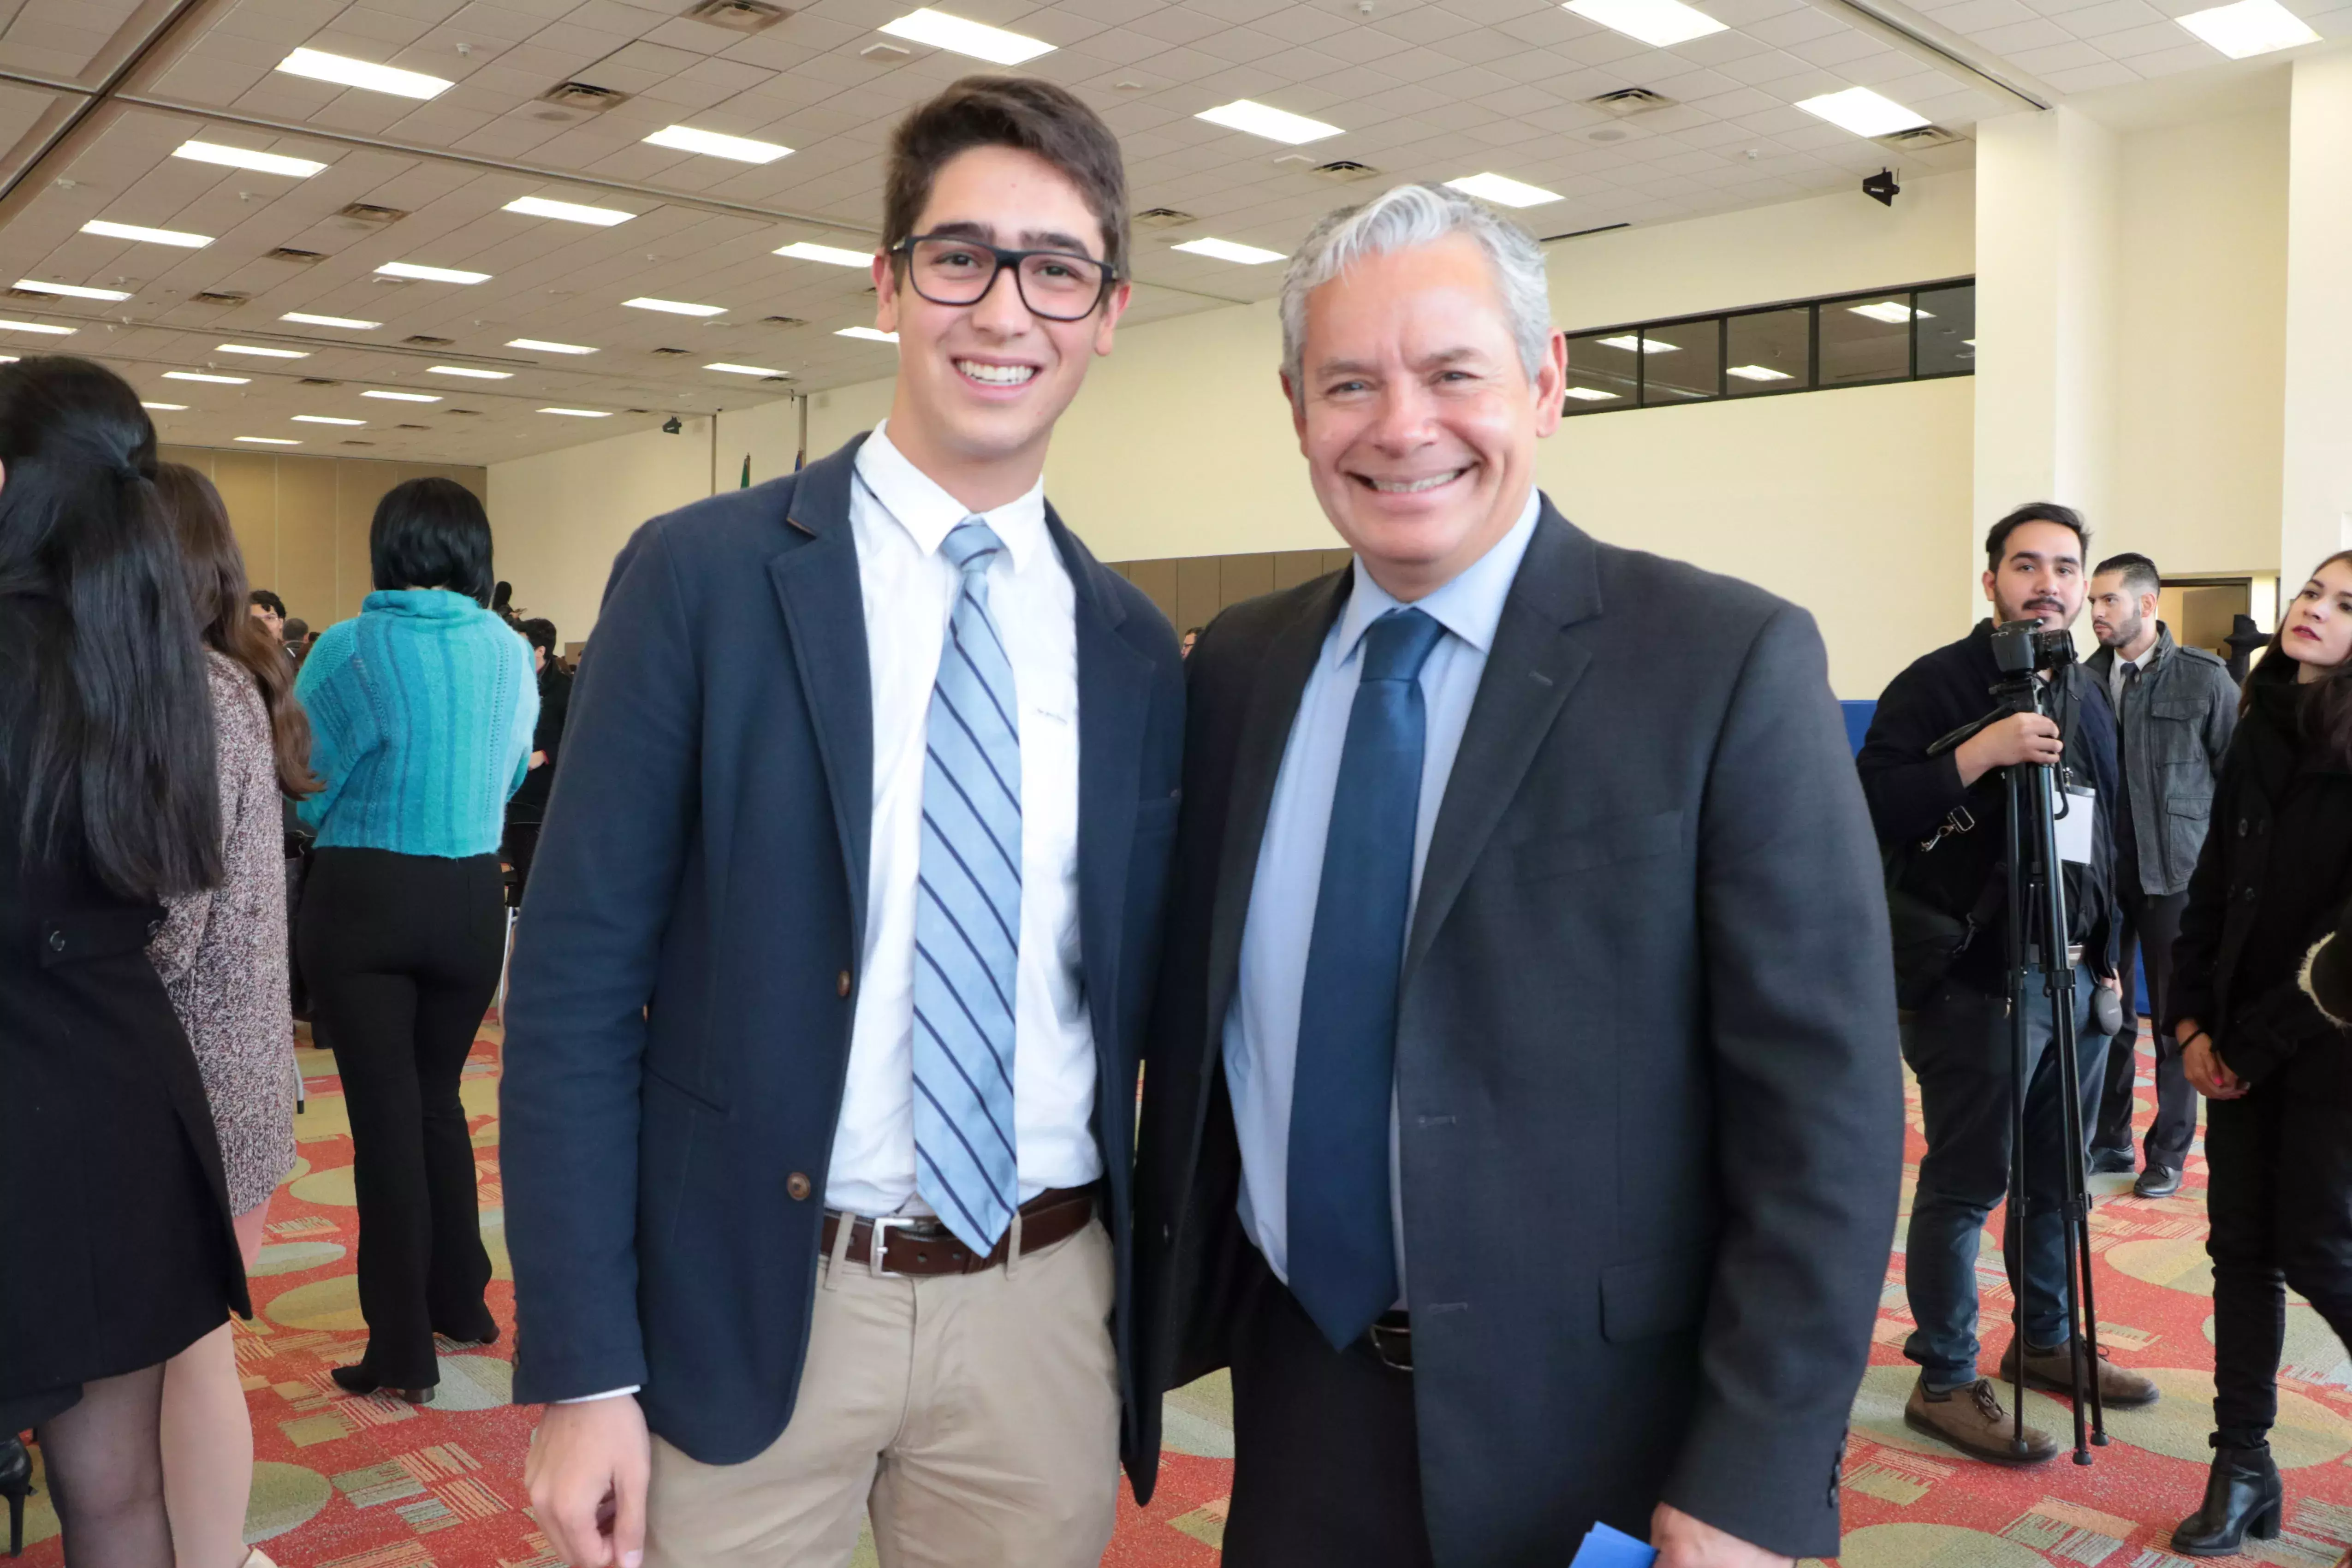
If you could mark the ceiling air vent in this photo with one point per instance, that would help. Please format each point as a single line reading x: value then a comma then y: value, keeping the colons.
x: 469, y: 413
x: 1163, y: 217
x: 1919, y: 137
x: 1343, y: 171
x: 219, y: 297
x: 297, y: 254
x: 359, y: 443
x: 672, y: 350
x: 374, y: 216
x: 1628, y: 101
x: 427, y: 340
x: 316, y: 381
x: 412, y: 426
x: 738, y: 15
x: 585, y: 96
x: 777, y: 322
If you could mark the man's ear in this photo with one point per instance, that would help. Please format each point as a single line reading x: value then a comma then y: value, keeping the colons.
x: 1298, y: 408
x: 1989, y: 580
x: 1551, y: 384
x: 885, y: 293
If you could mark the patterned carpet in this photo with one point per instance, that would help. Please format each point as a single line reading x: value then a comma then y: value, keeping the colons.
x: 375, y: 1483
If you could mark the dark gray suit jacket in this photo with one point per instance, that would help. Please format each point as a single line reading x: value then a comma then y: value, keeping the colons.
x: 1647, y: 1061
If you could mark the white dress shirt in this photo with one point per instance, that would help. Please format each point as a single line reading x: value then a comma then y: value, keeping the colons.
x: 1260, y: 1027
x: 2115, y: 677
x: 898, y: 518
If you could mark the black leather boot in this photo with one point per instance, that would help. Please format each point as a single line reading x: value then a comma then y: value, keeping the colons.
x: 2242, y: 1497
x: 16, y: 1483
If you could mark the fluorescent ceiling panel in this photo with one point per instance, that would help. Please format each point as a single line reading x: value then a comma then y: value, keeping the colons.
x: 673, y: 307
x: 305, y: 318
x: 1629, y: 342
x: 70, y: 290
x: 978, y: 40
x: 832, y: 254
x: 202, y: 375
x: 1660, y: 23
x: 1273, y: 124
x: 159, y: 407
x: 2249, y: 27
x: 405, y: 397
x: 430, y: 274
x: 1757, y: 373
x: 547, y: 348
x: 469, y: 370
x: 1227, y: 250
x: 1503, y: 191
x: 1893, y: 314
x: 715, y: 144
x: 150, y: 235
x: 319, y: 66
x: 37, y: 327
x: 240, y: 158
x: 1591, y: 395
x: 871, y: 334
x: 742, y: 369
x: 1864, y: 112
x: 567, y: 211
x: 324, y: 419
x: 269, y: 440
x: 581, y: 413
x: 258, y: 352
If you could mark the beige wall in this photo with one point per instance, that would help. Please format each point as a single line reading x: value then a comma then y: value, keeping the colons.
x: 302, y: 522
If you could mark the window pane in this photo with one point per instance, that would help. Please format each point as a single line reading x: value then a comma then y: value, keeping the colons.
x: 1600, y: 373
x: 1769, y: 352
x: 1684, y: 362
x: 1947, y: 330
x: 1868, y: 339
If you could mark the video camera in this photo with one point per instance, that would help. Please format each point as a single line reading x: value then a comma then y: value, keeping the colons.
x: 2023, y: 648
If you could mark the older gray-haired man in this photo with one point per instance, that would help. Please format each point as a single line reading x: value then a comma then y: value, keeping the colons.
x: 1523, y: 1121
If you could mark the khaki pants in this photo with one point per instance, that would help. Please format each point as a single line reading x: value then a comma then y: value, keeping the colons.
x: 975, y: 1416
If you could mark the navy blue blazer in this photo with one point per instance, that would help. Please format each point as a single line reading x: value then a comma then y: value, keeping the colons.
x: 679, y: 1020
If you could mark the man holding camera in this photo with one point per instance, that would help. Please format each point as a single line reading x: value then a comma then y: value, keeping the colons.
x: 1940, y: 813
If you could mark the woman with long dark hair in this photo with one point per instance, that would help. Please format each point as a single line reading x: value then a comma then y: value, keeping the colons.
x: 222, y: 954
x: 420, y: 710
x: 2276, y: 1070
x: 116, y: 1251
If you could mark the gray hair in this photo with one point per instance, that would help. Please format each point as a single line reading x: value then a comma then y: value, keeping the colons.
x: 1400, y: 219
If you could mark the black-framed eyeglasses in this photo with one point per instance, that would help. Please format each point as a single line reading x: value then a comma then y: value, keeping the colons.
x: 950, y: 270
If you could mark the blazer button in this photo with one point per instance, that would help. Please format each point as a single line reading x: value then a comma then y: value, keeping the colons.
x: 841, y: 983
x: 57, y: 941
x: 2241, y: 828
x: 797, y: 1185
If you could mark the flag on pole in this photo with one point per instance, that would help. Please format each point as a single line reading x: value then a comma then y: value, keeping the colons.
x: 747, y: 473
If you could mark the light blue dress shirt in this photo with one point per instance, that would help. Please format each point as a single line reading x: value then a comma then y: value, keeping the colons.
x: 1261, y: 1028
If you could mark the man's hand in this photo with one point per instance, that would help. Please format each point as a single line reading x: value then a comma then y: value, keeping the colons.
x: 2020, y: 737
x: 538, y: 761
x: 586, y: 1476
x: 1686, y: 1542
x: 2202, y: 1066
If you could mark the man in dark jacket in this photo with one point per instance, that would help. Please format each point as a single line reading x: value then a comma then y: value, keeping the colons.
x: 528, y: 808
x: 1946, y: 814
x: 2176, y: 709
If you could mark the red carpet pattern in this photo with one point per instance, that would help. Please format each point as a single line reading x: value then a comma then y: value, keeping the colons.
x: 375, y: 1483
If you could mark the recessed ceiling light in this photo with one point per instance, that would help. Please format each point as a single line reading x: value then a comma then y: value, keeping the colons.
x: 37, y: 327
x: 319, y: 66
x: 70, y: 290
x: 871, y: 334
x: 581, y: 413
x: 1757, y: 373
x: 310, y: 320
x: 1657, y: 23
x: 405, y: 397
x: 742, y: 369
x: 151, y: 236
x: 1864, y: 112
x: 547, y: 348
x: 1226, y: 250
x: 201, y: 376
x: 7, y: 359
x: 674, y: 307
x: 568, y: 212
x: 167, y: 407
x: 1629, y: 342
x: 1503, y: 191
x: 324, y: 419
x: 2249, y: 27
x: 978, y: 40
x: 430, y: 274
x: 260, y: 352
x: 1591, y: 395
x: 833, y: 255
x: 1273, y: 124
x: 269, y: 440
x: 1893, y: 314
x: 238, y: 158
x: 469, y: 370
x: 716, y: 144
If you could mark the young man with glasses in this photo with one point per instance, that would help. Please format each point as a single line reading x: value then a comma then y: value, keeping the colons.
x: 823, y: 1033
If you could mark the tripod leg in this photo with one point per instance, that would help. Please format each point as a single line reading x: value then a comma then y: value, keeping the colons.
x: 2082, y: 1321
x: 2018, y: 1024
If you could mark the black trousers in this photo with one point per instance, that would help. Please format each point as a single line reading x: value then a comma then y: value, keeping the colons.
x: 403, y: 954
x: 2280, y: 1205
x: 2150, y: 927
x: 1327, y: 1466
x: 522, y: 845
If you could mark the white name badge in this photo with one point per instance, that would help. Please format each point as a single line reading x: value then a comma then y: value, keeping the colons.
x: 2080, y: 816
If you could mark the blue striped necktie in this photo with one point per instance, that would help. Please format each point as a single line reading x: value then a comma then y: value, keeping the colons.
x: 968, y: 916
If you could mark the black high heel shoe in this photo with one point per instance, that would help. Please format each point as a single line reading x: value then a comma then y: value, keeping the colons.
x: 15, y: 1485
x: 359, y: 1380
x: 2243, y: 1498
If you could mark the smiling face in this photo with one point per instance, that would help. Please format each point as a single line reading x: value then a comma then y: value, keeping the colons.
x: 980, y: 385
x: 2040, y: 577
x: 1417, y: 418
x: 2317, y: 630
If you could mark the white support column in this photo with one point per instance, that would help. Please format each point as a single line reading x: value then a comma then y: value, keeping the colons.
x: 2316, y: 489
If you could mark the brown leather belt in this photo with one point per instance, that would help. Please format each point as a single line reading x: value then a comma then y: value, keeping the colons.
x: 921, y: 1247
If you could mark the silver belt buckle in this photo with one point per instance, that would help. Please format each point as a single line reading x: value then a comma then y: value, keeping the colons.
x: 878, y: 1248
x: 1393, y: 1345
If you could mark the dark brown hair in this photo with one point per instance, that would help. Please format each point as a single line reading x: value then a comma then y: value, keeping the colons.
x: 1997, y: 541
x: 216, y: 592
x: 2328, y: 706
x: 1017, y: 111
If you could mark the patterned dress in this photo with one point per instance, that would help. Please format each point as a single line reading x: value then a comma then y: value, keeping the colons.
x: 222, y: 954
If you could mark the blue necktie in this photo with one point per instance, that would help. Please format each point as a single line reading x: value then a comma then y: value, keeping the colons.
x: 968, y: 917
x: 1341, y: 1244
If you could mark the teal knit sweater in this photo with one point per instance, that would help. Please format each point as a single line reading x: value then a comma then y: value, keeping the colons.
x: 421, y: 718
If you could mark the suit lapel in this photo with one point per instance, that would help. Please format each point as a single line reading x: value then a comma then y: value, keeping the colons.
x: 816, y: 585
x: 1531, y: 669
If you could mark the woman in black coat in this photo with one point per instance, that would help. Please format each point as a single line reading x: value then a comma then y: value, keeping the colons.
x: 115, y: 1247
x: 2275, y: 872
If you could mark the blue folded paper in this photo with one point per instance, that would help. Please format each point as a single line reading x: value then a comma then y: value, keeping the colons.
x: 1605, y: 1547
